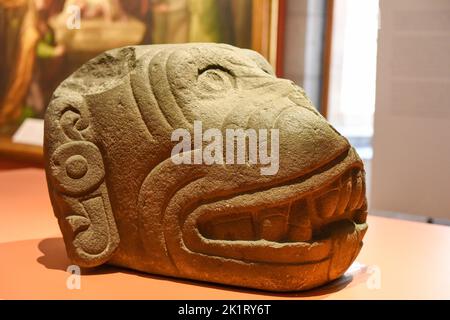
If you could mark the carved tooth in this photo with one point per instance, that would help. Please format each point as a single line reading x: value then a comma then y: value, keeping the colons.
x: 360, y: 216
x: 272, y: 223
x: 356, y: 192
x: 300, y: 228
x: 362, y: 199
x: 345, y: 192
x: 273, y: 228
x: 326, y: 204
x: 236, y: 227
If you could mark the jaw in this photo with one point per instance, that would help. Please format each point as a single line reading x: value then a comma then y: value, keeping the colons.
x: 290, y: 237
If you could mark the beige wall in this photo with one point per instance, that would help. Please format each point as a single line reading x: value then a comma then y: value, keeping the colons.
x: 295, y: 38
x: 304, y: 44
x: 411, y: 165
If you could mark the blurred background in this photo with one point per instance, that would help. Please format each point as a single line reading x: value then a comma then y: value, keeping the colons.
x: 378, y: 70
x: 44, y: 41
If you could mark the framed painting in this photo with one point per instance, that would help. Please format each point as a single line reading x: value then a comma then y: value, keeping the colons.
x: 44, y: 41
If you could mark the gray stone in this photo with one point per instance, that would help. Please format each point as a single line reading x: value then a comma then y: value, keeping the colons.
x: 120, y: 198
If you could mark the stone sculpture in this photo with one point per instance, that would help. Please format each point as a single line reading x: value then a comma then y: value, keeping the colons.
x: 120, y: 198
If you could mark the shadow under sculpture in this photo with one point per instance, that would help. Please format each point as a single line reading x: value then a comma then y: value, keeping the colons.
x: 120, y: 198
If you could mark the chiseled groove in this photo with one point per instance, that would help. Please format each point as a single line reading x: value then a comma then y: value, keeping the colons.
x: 165, y: 204
x: 175, y: 98
x: 97, y: 197
x: 160, y: 55
x: 175, y: 189
x: 164, y: 201
x: 138, y: 105
x: 153, y: 101
x: 247, y: 261
x: 172, y: 103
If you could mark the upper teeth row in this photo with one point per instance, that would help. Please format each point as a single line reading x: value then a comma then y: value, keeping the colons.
x: 295, y: 221
x: 345, y: 195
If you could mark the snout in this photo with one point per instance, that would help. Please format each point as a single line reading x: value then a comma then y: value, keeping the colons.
x: 307, y: 141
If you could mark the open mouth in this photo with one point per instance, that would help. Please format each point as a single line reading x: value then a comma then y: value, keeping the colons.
x: 302, y: 227
x: 310, y: 217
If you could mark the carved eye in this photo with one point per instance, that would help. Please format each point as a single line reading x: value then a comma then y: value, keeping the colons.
x: 215, y: 78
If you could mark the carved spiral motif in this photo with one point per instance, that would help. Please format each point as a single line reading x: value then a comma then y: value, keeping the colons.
x: 77, y: 167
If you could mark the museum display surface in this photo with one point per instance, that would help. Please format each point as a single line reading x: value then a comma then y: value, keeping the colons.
x: 122, y: 199
x: 224, y: 158
x: 35, y: 264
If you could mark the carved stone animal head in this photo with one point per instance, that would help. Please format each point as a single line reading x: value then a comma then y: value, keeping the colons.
x: 120, y: 198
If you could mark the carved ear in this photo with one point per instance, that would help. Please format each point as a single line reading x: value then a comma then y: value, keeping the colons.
x: 75, y: 177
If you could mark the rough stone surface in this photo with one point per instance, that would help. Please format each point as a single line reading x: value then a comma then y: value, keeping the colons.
x: 120, y: 199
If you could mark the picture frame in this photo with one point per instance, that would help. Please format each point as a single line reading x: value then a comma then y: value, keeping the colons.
x: 24, y: 28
